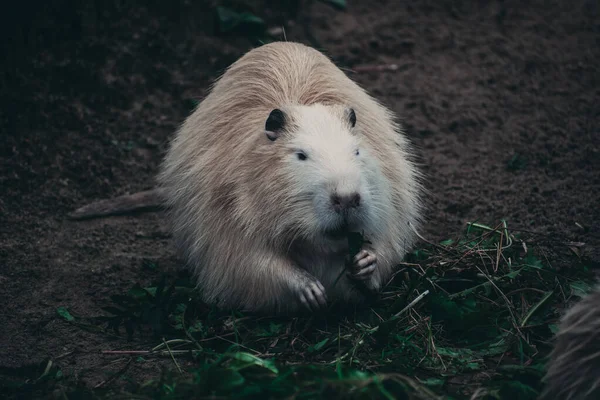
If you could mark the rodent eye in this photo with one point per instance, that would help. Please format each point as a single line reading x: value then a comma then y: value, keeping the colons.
x: 357, y: 152
x: 301, y: 156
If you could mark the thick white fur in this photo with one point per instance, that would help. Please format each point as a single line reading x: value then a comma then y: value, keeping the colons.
x: 248, y: 215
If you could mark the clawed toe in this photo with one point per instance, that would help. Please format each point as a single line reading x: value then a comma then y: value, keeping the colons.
x: 365, y: 273
x: 313, y: 296
x: 364, y: 266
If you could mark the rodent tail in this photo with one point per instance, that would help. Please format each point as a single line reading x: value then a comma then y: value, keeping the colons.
x: 147, y: 200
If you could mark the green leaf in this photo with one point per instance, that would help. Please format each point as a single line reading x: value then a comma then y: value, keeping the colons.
x: 355, y: 374
x: 533, y: 261
x: 580, y: 288
x: 499, y: 346
x: 442, y: 351
x: 434, y: 382
x: 275, y: 328
x: 536, y: 307
x: 197, y: 327
x: 339, y: 4
x: 355, y: 243
x: 230, y: 20
x: 514, y: 274
x: 65, y: 314
x: 251, y: 359
x: 473, y: 366
x: 318, y: 346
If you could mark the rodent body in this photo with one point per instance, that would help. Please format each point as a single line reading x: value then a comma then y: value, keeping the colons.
x: 283, y: 157
x: 573, y: 371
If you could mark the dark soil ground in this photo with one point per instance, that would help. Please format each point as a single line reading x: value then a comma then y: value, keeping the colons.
x: 501, y: 99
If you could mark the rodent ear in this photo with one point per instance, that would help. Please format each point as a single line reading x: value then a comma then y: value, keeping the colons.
x: 351, y: 116
x: 275, y: 124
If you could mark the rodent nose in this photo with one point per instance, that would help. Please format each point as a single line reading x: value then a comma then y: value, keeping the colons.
x: 345, y: 202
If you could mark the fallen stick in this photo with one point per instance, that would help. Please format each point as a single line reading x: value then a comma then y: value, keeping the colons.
x: 148, y: 200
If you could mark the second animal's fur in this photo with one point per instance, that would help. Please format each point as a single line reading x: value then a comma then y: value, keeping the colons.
x: 264, y: 179
x: 573, y: 371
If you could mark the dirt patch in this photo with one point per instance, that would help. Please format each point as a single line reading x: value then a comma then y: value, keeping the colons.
x: 500, y: 99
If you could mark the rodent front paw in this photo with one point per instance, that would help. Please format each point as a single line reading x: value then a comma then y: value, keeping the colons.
x: 311, y: 293
x: 363, y: 266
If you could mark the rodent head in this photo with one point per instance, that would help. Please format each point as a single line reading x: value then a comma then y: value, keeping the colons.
x: 331, y: 176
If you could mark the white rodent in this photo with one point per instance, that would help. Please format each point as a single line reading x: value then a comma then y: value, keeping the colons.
x: 264, y: 180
